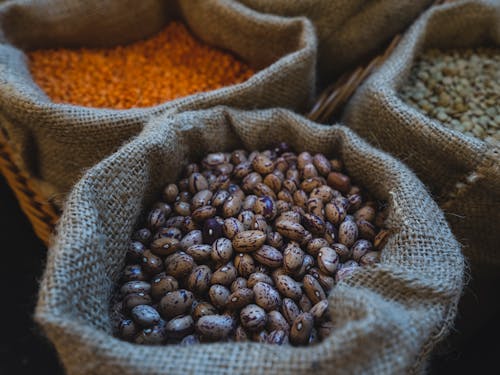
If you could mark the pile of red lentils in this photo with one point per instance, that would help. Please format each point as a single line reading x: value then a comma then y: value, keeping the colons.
x: 169, y: 65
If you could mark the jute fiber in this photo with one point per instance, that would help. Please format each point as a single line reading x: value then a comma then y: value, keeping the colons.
x: 463, y: 173
x: 56, y: 142
x: 388, y: 317
x: 349, y: 31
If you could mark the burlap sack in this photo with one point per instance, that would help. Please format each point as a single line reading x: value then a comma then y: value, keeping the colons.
x: 349, y: 31
x: 56, y: 141
x: 462, y: 173
x: 388, y: 317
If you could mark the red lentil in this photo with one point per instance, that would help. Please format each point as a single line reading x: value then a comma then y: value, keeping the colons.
x: 169, y: 65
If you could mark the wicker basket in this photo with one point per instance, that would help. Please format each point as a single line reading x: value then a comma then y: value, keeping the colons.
x: 43, y: 214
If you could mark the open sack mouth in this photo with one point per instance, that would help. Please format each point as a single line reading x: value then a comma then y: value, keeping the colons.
x: 100, y: 219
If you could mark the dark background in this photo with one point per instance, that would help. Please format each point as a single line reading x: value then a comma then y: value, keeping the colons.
x: 24, y: 349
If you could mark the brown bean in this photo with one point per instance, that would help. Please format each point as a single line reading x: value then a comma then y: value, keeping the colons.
x: 313, y: 289
x: 315, y: 244
x: 326, y: 281
x: 190, y: 340
x: 161, y: 285
x: 249, y: 202
x: 259, y: 277
x: 266, y: 207
x: 290, y: 186
x: 202, y: 309
x: 253, y: 318
x: 366, y: 230
x: 135, y: 299
x: 214, y: 159
x: 360, y: 248
x: 381, y: 239
x: 215, y: 327
x: 170, y: 193
x: 293, y: 257
x: 318, y: 311
x: 194, y: 237
x: 323, y: 192
x: 305, y: 303
x: 180, y: 326
x: 165, y: 246
x: 339, y: 181
x: 276, y: 321
x: 343, y: 273
x: 250, y: 181
x: 224, y: 275
x: 232, y: 227
x: 199, y: 279
x: 268, y: 256
x: 232, y: 206
x: 277, y: 338
x: 197, y: 182
x: 135, y: 251
x: 245, y: 264
x: 266, y: 296
x: 248, y: 241
x: 328, y: 260
x: 239, y: 156
x: 370, y: 258
x: 288, y: 287
x: 293, y: 231
x: 260, y: 223
x: 156, y: 219
x: 262, y: 164
x: 274, y: 239
x: 342, y: 251
x: 242, y: 170
x: 239, y: 283
x: 322, y: 164
x: 335, y: 213
x: 306, y: 265
x: 176, y: 303
x: 301, y: 329
x: 135, y: 287
x: 201, y: 198
x: 128, y: 329
x: 240, y: 334
x: 348, y: 232
x: 247, y: 218
x: 203, y: 213
x: 262, y: 190
x: 222, y: 250
x: 151, y: 263
x: 274, y: 182
x: 366, y: 212
x: 292, y: 216
x: 175, y: 222
x: 304, y: 158
x: 240, y: 298
x: 155, y: 335
x: 219, y: 295
x: 200, y: 252
x: 179, y: 264
x: 290, y: 310
x: 314, y: 224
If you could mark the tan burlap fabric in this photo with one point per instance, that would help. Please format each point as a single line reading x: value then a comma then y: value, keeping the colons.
x: 56, y: 142
x: 462, y: 173
x: 349, y: 31
x: 388, y: 317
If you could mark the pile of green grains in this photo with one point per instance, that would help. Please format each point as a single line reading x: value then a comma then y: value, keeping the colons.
x: 460, y: 88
